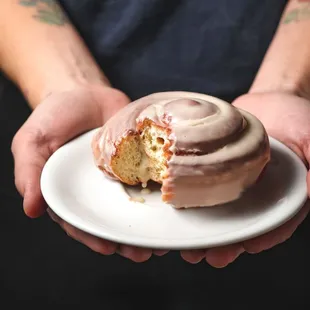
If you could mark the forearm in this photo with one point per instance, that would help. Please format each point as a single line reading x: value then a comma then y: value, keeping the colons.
x: 41, y: 51
x: 286, y: 66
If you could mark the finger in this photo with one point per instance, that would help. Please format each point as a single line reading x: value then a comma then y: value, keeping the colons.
x: 34, y: 204
x: 278, y: 235
x: 193, y: 256
x: 53, y: 216
x: 222, y: 256
x: 160, y: 252
x: 96, y: 244
x: 308, y: 183
x: 29, y: 160
x: 135, y: 254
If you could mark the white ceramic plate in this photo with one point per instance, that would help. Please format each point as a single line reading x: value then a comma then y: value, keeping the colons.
x: 81, y: 195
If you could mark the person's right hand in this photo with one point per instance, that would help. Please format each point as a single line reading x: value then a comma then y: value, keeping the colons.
x: 56, y: 120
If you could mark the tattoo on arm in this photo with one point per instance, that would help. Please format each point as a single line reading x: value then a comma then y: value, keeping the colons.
x: 299, y: 13
x: 47, y: 11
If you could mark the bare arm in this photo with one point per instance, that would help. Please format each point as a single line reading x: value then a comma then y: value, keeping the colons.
x: 286, y: 66
x: 41, y: 51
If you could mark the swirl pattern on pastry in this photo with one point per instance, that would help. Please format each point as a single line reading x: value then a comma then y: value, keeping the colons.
x: 203, y: 150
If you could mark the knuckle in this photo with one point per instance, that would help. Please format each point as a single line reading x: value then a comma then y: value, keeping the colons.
x: 15, y: 142
x: 33, y: 138
x: 26, y: 136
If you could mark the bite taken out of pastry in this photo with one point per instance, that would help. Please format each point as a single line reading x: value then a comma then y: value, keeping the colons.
x: 203, y: 151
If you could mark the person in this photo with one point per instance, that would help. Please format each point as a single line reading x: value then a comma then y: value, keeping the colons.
x: 78, y: 63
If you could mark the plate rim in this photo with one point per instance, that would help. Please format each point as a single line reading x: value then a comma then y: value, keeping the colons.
x: 158, y: 243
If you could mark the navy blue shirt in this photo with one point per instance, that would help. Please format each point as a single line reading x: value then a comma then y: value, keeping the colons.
x: 209, y: 46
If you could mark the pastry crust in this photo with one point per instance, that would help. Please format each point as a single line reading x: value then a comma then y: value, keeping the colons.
x: 203, y: 151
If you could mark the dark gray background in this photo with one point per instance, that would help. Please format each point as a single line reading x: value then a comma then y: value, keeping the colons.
x: 41, y: 266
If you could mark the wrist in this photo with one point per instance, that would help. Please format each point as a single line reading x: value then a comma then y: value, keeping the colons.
x: 42, y: 57
x: 296, y: 84
x: 38, y: 87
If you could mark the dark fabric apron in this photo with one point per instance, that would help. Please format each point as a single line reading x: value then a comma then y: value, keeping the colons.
x: 208, y: 46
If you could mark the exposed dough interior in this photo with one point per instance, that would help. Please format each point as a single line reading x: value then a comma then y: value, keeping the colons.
x: 143, y: 156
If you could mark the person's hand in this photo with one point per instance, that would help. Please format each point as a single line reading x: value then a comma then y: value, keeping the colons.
x: 58, y: 119
x: 286, y: 118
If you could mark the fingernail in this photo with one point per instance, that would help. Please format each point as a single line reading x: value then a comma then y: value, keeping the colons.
x: 223, y: 259
x: 193, y: 257
x: 53, y: 217
x: 160, y: 252
x: 239, y: 252
x: 135, y: 254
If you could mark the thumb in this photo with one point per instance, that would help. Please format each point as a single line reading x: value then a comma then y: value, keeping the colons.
x: 29, y: 159
x: 307, y: 156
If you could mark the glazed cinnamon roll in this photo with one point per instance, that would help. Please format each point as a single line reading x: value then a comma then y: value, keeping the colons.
x: 203, y: 151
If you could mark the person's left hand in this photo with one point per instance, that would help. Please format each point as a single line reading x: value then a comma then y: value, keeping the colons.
x: 286, y: 118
